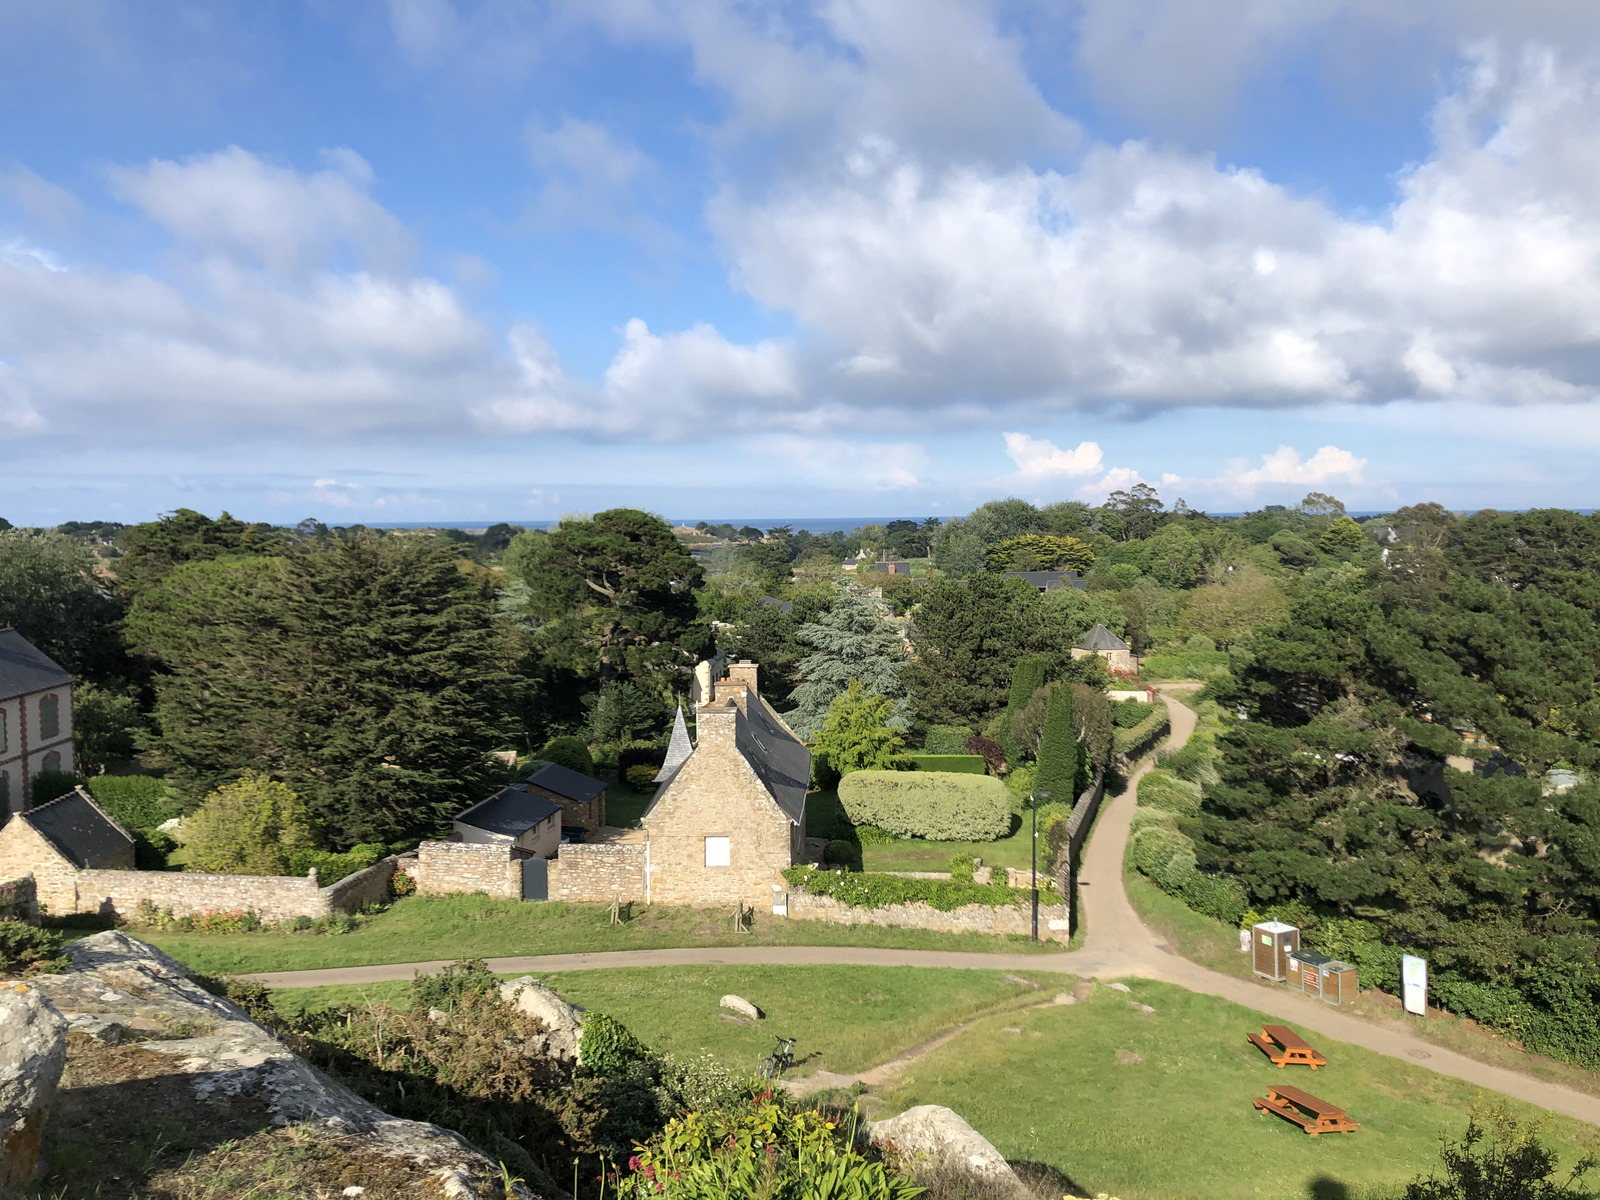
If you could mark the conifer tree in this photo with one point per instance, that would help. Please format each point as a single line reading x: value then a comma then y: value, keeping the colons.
x: 853, y: 641
x: 1058, y: 748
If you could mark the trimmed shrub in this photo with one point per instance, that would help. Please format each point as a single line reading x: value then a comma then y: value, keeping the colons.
x: 877, y: 891
x: 840, y: 853
x: 960, y: 764
x: 641, y: 778
x: 570, y: 752
x: 940, y: 806
x: 1058, y: 748
x: 946, y: 739
x: 871, y: 835
x: 333, y: 867
x: 134, y: 801
x: 1142, y: 738
x: 1161, y: 789
x: 1027, y: 677
x: 1125, y: 714
x: 1153, y: 845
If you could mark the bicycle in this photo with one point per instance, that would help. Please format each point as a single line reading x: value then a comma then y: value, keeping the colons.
x: 780, y: 1060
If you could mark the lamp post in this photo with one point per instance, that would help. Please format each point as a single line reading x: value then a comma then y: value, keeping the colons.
x: 1033, y: 804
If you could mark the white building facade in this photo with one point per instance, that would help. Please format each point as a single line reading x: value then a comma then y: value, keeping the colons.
x: 35, y: 718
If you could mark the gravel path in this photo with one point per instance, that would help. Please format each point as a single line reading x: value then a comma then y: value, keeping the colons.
x: 1117, y: 944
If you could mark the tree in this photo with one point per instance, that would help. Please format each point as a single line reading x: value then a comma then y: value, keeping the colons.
x: 1320, y: 504
x: 570, y: 752
x: 250, y: 827
x: 154, y: 549
x: 1177, y: 560
x: 1058, y: 748
x: 625, y: 713
x: 1499, y: 1158
x: 1041, y: 552
x: 51, y: 593
x: 1226, y: 611
x: 1139, y: 509
x: 1342, y: 536
x: 958, y: 551
x: 852, y: 642
x: 105, y: 722
x: 615, y: 596
x: 857, y: 735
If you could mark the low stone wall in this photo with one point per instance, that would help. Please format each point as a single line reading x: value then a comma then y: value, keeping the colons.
x: 449, y: 867
x: 189, y: 893
x: 19, y: 900
x: 971, y: 918
x: 361, y: 888
x: 598, y: 872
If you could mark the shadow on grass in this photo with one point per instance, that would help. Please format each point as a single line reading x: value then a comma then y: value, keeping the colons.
x: 1324, y: 1188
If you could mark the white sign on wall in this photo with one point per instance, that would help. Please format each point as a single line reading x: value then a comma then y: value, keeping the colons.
x: 1414, y: 984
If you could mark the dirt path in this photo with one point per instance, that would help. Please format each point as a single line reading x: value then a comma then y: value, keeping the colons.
x: 1116, y: 944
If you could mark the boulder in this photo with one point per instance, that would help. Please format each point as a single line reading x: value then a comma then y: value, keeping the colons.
x: 743, y: 1007
x: 563, y: 1022
x: 932, y: 1135
x: 33, y: 1053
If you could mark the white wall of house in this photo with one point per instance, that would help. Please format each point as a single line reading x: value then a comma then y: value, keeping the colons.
x: 542, y: 841
x: 28, y: 743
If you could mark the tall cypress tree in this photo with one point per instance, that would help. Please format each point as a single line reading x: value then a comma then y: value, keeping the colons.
x: 1058, y: 748
x: 1027, y: 677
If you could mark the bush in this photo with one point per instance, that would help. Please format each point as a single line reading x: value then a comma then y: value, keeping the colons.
x: 50, y: 785
x: 1143, y: 817
x: 1153, y: 845
x: 252, y: 827
x: 840, y: 853
x: 1058, y: 762
x: 1189, y: 762
x: 641, y: 778
x: 29, y: 950
x: 1141, y: 739
x: 946, y: 739
x: 570, y: 752
x: 871, y: 835
x: 868, y: 890
x: 962, y: 867
x: 333, y: 867
x: 940, y: 806
x: 1160, y: 789
x: 402, y: 885
x: 135, y: 801
x: 447, y: 988
x: 1125, y: 714
x: 989, y: 750
x: 1200, y: 644
x: 1500, y: 1159
x: 1184, y: 665
x: 641, y: 756
x: 607, y: 1048
x: 961, y: 764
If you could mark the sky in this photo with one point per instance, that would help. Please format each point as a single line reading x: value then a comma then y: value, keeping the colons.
x: 466, y: 260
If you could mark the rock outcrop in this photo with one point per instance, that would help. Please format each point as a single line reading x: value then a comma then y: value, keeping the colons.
x: 932, y: 1135
x: 143, y: 1025
x: 33, y: 1051
x: 743, y: 1007
x: 563, y: 1022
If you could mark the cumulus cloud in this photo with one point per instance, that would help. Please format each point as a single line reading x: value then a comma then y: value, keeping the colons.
x: 1040, y: 459
x: 844, y: 464
x: 1284, y: 466
x: 592, y: 179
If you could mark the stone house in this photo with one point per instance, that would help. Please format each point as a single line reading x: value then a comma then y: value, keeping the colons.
x: 728, y: 815
x: 582, y: 800
x: 1108, y: 646
x: 55, y: 841
x: 526, y: 820
x: 1049, y: 581
x: 35, y: 718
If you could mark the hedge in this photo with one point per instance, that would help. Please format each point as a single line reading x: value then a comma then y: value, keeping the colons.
x: 942, y: 806
x: 1188, y: 664
x: 1152, y: 846
x: 333, y: 867
x: 961, y: 764
x: 946, y: 739
x: 1142, y: 738
x: 866, y: 890
x: 134, y: 801
x: 1164, y: 790
x: 1126, y: 714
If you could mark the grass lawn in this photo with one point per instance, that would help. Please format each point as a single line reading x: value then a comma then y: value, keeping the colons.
x: 428, y: 928
x: 846, y: 1019
x: 624, y: 806
x: 1060, y: 1088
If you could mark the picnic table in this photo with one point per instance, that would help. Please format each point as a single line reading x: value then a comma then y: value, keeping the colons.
x: 1284, y: 1046
x: 1305, y: 1110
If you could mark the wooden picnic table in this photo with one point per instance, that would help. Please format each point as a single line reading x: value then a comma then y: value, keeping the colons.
x: 1305, y: 1110
x: 1284, y: 1046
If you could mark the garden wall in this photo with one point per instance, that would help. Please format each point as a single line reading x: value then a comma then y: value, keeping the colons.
x: 598, y: 872
x: 370, y: 886
x: 188, y: 893
x: 446, y: 867
x: 19, y: 900
x: 972, y: 918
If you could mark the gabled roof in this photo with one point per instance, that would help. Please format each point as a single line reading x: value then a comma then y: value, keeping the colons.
x: 566, y: 783
x: 783, y: 606
x: 1101, y: 638
x: 25, y: 669
x: 1048, y: 580
x: 80, y: 830
x: 780, y: 759
x: 512, y: 811
x: 678, y: 749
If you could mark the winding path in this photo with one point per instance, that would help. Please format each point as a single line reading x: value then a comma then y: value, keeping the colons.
x: 1117, y: 944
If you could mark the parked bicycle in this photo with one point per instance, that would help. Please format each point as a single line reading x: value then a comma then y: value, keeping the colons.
x: 780, y: 1060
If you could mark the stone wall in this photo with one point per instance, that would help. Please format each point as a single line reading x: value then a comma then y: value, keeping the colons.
x: 598, y: 872
x: 971, y: 918
x: 190, y: 893
x: 590, y: 814
x: 23, y: 852
x: 19, y: 900
x: 446, y: 867
x: 355, y: 891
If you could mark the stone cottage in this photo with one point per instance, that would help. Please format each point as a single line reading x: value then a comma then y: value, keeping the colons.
x: 35, y: 718
x: 54, y: 841
x: 1108, y: 646
x: 582, y: 800
x: 515, y: 815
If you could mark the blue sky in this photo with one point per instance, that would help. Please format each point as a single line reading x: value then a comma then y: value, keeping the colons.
x: 503, y: 260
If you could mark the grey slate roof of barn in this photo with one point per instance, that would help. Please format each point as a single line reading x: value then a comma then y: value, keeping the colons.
x: 24, y: 668
x: 780, y: 760
x: 78, y: 828
x: 511, y: 811
x: 1101, y: 638
x: 567, y: 783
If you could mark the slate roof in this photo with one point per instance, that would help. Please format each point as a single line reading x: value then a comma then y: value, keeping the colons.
x: 780, y: 760
x: 783, y: 606
x: 512, y: 811
x: 25, y: 669
x: 678, y: 749
x: 1101, y: 638
x: 1049, y: 580
x: 82, y: 831
x: 567, y: 783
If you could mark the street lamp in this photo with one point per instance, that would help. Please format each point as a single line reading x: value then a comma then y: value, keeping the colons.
x: 1033, y: 803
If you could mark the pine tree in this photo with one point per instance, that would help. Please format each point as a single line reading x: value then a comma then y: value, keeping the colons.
x: 854, y: 641
x: 1058, y: 748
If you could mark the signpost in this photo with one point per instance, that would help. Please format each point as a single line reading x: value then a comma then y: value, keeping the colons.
x: 1414, y: 984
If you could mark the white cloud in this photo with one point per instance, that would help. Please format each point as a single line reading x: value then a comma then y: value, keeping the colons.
x: 1283, y: 467
x: 591, y: 179
x: 1040, y: 459
x: 1117, y: 479
x: 841, y: 464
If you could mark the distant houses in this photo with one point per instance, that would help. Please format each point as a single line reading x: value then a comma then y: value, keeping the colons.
x: 1108, y: 646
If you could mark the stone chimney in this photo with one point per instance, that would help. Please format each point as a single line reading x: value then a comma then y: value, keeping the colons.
x: 744, y: 671
x: 717, y: 724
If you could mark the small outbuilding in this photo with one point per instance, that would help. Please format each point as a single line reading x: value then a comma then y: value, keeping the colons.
x: 529, y: 822
x: 581, y: 797
x: 54, y: 841
x: 1271, y: 943
x: 1108, y: 646
x: 1318, y: 974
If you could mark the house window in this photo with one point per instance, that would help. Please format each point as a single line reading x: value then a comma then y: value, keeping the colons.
x: 49, y: 717
x: 717, y: 852
x: 52, y: 762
